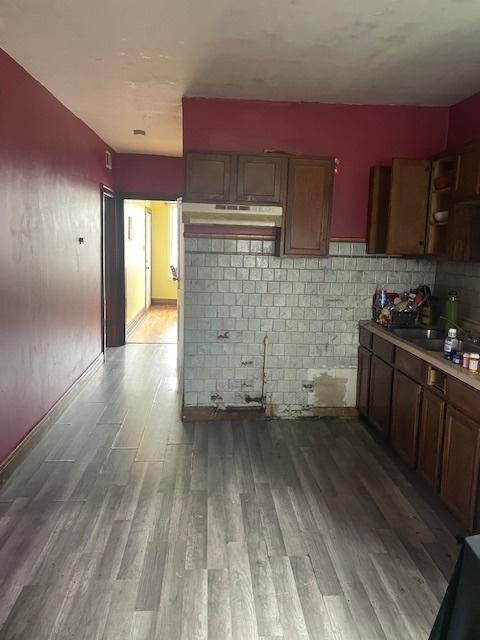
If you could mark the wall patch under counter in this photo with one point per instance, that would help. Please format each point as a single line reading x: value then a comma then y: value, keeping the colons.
x: 308, y: 307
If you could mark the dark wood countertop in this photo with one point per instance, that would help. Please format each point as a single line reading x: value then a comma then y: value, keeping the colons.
x: 435, y: 359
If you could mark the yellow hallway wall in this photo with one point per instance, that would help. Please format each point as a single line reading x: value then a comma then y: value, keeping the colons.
x: 162, y: 286
x: 134, y: 259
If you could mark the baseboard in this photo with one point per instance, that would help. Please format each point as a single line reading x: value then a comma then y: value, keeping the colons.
x: 203, y: 413
x: 40, y: 430
x: 171, y: 302
x: 133, y: 323
x: 334, y: 412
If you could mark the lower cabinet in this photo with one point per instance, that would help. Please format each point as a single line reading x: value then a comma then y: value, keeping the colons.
x: 430, y: 438
x: 430, y: 418
x: 380, y: 396
x: 460, y: 469
x: 406, y: 403
x: 363, y: 380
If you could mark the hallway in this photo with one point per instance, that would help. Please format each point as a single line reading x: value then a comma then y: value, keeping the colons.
x: 124, y: 524
x: 157, y: 326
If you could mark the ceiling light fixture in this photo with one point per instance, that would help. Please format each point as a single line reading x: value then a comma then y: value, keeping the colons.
x: 139, y: 132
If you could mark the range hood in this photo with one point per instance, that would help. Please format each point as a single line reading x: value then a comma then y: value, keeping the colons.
x: 234, y: 214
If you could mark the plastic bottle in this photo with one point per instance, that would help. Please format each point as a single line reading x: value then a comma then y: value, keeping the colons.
x: 380, y: 300
x: 451, y: 344
x: 451, y: 310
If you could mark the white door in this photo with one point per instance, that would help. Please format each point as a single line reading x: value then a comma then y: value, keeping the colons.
x: 180, y: 303
x: 148, y: 259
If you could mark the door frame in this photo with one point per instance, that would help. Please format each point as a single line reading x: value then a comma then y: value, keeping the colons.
x: 137, y: 195
x: 114, y: 245
x: 165, y: 197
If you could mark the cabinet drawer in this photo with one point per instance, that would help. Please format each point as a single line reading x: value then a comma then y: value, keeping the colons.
x: 411, y: 365
x: 464, y: 398
x: 365, y: 338
x: 383, y: 349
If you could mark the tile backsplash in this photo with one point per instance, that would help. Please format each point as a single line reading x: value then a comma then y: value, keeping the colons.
x: 464, y: 277
x: 237, y: 292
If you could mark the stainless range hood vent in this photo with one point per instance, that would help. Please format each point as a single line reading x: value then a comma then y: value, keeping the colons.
x: 233, y: 214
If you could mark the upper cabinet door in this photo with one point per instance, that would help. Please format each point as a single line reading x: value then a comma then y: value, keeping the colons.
x: 467, y: 182
x: 309, y: 200
x: 261, y: 179
x: 378, y: 202
x: 463, y: 233
x: 208, y: 177
x: 407, y: 218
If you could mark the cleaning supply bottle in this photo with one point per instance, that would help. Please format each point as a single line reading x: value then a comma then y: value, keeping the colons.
x: 380, y: 300
x: 451, y: 310
x: 450, y: 345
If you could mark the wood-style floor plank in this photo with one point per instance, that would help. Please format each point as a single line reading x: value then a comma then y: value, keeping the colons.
x: 158, y: 325
x: 219, y: 614
x: 125, y: 523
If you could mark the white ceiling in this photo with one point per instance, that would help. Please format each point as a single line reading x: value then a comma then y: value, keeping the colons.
x: 125, y: 64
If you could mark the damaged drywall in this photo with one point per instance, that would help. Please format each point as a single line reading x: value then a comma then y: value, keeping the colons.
x: 331, y: 388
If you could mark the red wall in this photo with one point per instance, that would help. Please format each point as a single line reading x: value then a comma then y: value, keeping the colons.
x: 464, y: 122
x: 156, y: 175
x: 360, y: 136
x: 51, y: 167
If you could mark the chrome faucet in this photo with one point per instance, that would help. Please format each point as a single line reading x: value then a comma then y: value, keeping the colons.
x: 468, y: 337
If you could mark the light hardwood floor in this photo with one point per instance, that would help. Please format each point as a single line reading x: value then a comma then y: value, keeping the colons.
x: 124, y: 524
x: 157, y: 326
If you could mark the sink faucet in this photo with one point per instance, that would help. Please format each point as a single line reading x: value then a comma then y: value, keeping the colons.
x: 469, y: 337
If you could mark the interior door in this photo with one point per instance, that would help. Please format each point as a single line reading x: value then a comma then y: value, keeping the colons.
x: 113, y: 270
x: 180, y: 304
x: 148, y: 259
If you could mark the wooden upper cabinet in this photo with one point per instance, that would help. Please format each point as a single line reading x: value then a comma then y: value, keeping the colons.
x: 463, y: 233
x: 467, y: 183
x: 261, y: 179
x: 407, y: 216
x: 407, y: 396
x: 461, y: 461
x: 309, y: 201
x: 209, y: 177
x: 378, y: 204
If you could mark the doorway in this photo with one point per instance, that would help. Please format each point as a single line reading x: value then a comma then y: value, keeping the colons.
x: 151, y: 264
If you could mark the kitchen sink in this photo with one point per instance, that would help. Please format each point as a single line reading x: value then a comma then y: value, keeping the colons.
x: 429, y: 344
x: 436, y: 344
x: 431, y: 339
x: 419, y: 334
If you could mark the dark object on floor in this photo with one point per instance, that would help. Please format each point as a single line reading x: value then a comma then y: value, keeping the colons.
x: 459, y: 615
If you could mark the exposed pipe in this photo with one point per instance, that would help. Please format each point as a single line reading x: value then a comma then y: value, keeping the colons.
x: 262, y: 399
x: 264, y: 382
